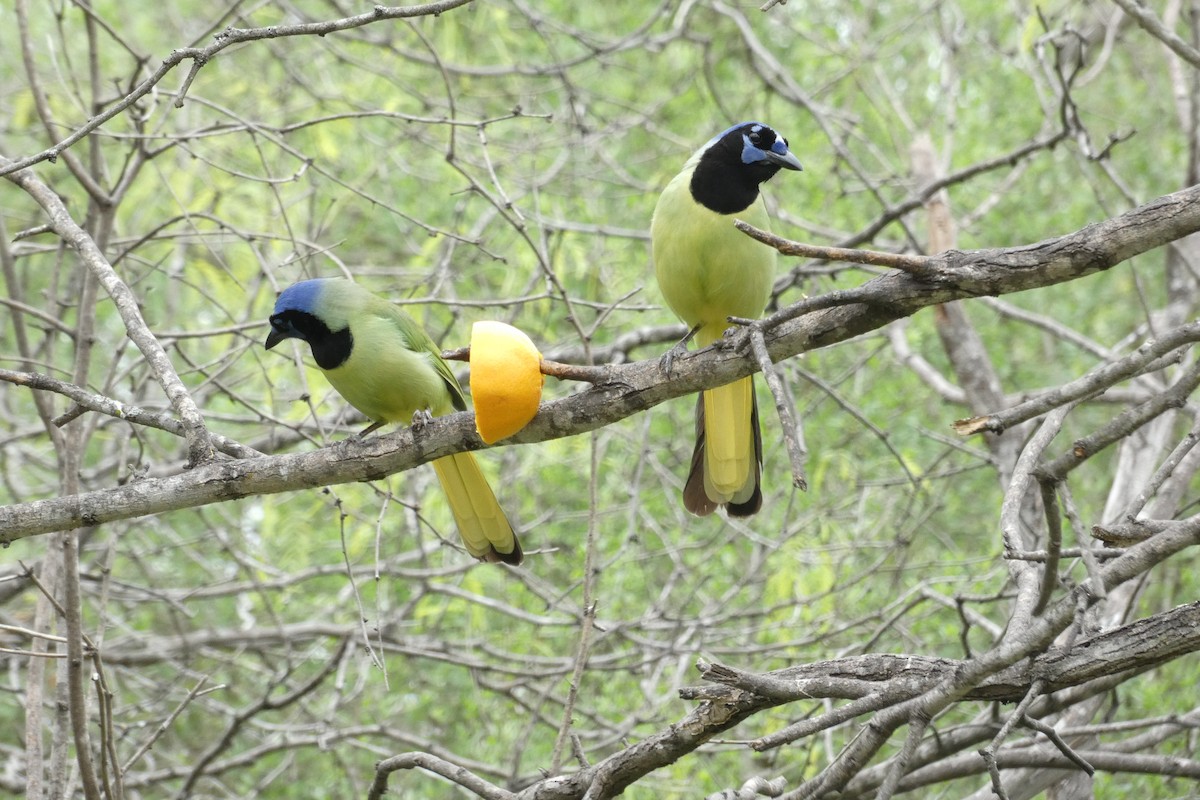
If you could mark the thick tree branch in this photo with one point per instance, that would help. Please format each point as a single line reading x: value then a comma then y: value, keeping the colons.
x: 1000, y: 674
x: 1136, y: 647
x: 632, y: 388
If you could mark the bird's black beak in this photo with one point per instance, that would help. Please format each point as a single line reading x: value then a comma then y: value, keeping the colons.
x: 784, y: 159
x: 274, y: 338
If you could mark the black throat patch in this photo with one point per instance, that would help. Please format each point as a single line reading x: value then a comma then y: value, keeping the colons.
x: 723, y: 183
x: 330, y: 349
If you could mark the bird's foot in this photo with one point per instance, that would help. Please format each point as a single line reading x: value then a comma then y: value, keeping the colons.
x: 739, y: 324
x: 421, y: 417
x: 667, y: 361
x: 752, y: 327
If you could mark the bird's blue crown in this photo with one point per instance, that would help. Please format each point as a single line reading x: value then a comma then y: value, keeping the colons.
x: 750, y: 151
x: 300, y: 296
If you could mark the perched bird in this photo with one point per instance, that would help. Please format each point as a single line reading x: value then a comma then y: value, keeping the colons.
x: 384, y: 364
x: 708, y: 271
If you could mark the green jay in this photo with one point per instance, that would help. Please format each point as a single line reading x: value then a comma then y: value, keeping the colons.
x: 384, y: 364
x: 708, y: 271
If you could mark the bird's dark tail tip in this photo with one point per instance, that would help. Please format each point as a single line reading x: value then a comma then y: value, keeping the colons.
x: 748, y: 508
x: 513, y: 557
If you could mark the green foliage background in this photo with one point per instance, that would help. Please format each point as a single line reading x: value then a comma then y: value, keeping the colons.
x: 501, y: 161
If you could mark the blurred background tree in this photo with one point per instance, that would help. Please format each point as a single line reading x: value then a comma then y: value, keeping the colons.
x: 500, y: 159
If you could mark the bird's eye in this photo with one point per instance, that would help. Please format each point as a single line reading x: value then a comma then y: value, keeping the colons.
x: 755, y: 138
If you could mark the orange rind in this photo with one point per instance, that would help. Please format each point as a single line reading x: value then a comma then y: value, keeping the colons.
x: 506, y: 379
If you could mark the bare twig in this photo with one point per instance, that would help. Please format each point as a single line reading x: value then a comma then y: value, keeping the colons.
x: 1085, y: 544
x: 1059, y: 742
x: 755, y: 787
x: 199, y: 446
x: 1094, y: 382
x: 792, y: 439
x: 1053, y: 542
x: 1125, y: 423
x: 1024, y: 474
x: 451, y: 772
x: 914, y: 264
x: 588, y: 621
x: 1018, y: 715
x: 226, y: 38
x: 196, y: 691
x: 1149, y: 22
x: 1124, y: 534
x: 265, y: 703
x: 1165, y: 470
x: 88, y: 401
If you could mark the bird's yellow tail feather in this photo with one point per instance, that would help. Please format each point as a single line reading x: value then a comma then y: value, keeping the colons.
x: 481, y: 522
x: 729, y: 455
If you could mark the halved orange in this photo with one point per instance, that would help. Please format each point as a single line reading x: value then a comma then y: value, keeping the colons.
x: 506, y: 379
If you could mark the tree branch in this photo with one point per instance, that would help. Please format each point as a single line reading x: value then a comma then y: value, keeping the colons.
x: 1132, y: 648
x: 199, y: 447
x: 1150, y: 23
x: 1135, y: 647
x: 632, y: 388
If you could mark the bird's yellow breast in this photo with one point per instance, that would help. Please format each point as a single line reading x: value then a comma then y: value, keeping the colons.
x: 706, y: 268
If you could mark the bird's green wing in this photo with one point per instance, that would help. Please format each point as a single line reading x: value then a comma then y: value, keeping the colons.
x: 419, y: 341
